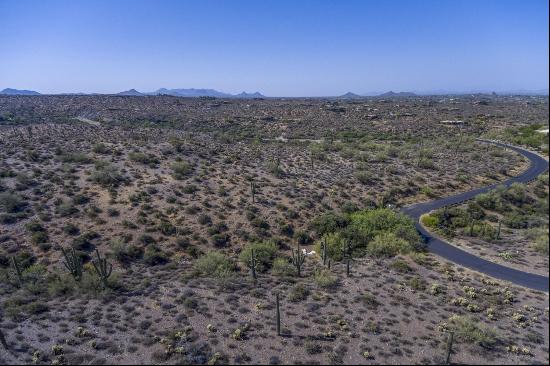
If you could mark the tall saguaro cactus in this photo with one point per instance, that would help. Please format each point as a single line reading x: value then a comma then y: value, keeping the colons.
x: 253, y: 191
x: 17, y: 270
x: 278, y: 315
x: 450, y: 340
x: 102, y: 268
x: 324, y: 251
x: 298, y: 259
x: 252, y: 264
x: 73, y: 263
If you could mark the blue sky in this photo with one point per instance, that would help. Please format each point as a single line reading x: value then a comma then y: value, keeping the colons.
x: 277, y: 47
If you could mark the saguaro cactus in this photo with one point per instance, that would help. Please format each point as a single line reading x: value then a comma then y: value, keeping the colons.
x: 498, y: 230
x: 450, y: 340
x: 73, y: 263
x: 298, y: 259
x: 278, y: 315
x: 253, y: 191
x: 17, y: 270
x: 252, y: 264
x: 324, y: 251
x: 102, y: 268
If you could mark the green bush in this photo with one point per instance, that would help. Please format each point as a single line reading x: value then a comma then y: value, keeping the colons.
x: 469, y: 330
x: 154, y: 255
x: 429, y: 220
x: 328, y: 223
x: 264, y: 252
x: 335, y: 245
x: 213, y: 264
x: 298, y: 292
x: 366, y: 225
x: 147, y: 159
x: 125, y: 253
x: 181, y: 169
x: 107, y: 175
x: 324, y: 278
x: 283, y: 268
x: 387, y: 244
x: 11, y: 203
x: 541, y: 244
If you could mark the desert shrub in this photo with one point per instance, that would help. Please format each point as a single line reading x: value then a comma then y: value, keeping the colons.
x: 39, y: 237
x: 107, y: 175
x: 324, y: 278
x: 426, y: 163
x: 417, y: 283
x: 11, y: 203
x: 166, y: 228
x: 286, y: 229
x: 475, y: 211
x: 264, y: 252
x: 213, y: 264
x: 220, y: 240
x: 387, y: 244
x: 154, y: 256
x: 142, y: 158
x: 400, y: 265
x: 516, y: 220
x: 75, y: 157
x: 366, y: 225
x: 328, y: 223
x: 469, y: 330
x: 429, y: 220
x: 100, y: 148
x: 298, y: 292
x: 527, y: 136
x: 181, y: 169
x: 487, y: 200
x: 541, y: 244
x: 84, y: 241
x: 190, y: 188
x: 274, y: 168
x: 364, y: 177
x: 125, y: 253
x: 34, y: 227
x: 204, y: 219
x: 335, y: 245
x: 66, y: 209
x: 282, y: 268
x: 301, y: 237
x: 516, y: 194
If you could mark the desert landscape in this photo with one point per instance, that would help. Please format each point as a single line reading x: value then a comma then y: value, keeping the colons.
x: 216, y: 230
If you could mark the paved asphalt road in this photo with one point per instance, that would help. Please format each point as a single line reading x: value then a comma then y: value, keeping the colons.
x: 458, y: 256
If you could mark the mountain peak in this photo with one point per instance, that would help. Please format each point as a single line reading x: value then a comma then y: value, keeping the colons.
x: 131, y: 92
x: 350, y: 95
x: 399, y: 94
x: 10, y: 91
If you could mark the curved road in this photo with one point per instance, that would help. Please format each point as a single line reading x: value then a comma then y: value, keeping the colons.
x: 458, y: 256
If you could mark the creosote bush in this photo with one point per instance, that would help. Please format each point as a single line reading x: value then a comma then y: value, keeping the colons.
x: 213, y: 264
x: 264, y: 252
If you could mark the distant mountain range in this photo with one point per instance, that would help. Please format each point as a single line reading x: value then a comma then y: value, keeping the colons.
x: 194, y: 93
x: 9, y: 91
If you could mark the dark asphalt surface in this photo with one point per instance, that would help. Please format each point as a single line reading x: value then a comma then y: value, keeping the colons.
x: 458, y: 256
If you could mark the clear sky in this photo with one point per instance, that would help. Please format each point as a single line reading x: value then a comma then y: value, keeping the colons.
x: 277, y: 47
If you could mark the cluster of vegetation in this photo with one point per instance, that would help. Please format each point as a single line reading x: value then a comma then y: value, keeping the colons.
x: 517, y: 207
x: 528, y: 136
x: 378, y: 232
